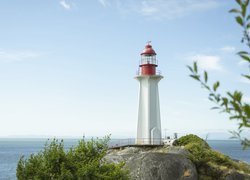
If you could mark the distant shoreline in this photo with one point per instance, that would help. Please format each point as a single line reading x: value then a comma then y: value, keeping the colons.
x: 88, y: 138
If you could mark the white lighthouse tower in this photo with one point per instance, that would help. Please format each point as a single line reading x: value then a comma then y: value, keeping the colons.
x: 149, y: 120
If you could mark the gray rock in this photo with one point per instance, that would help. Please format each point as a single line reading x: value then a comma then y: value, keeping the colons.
x: 237, y: 176
x: 168, y: 163
x: 159, y: 166
x: 147, y: 165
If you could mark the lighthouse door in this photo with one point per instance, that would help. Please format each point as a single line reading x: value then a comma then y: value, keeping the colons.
x: 155, y: 136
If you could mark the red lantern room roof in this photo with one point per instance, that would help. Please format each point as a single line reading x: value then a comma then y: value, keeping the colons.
x: 148, y: 50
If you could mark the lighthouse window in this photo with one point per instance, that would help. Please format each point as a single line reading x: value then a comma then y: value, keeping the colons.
x: 148, y: 60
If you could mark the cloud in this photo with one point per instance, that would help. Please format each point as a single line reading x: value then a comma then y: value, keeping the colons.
x: 162, y: 9
x: 207, y: 62
x: 148, y: 10
x: 104, y: 2
x: 65, y: 5
x: 17, y: 56
x: 171, y: 9
x: 228, y: 49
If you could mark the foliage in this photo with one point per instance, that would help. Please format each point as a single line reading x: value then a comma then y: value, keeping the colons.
x: 191, y: 138
x: 201, y: 152
x: 85, y: 161
x: 232, y: 103
x: 207, y: 159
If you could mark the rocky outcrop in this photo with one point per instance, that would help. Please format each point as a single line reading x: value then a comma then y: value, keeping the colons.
x: 167, y: 163
x: 154, y: 164
x: 158, y: 166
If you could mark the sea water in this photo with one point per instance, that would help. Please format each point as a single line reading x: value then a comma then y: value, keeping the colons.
x: 12, y: 149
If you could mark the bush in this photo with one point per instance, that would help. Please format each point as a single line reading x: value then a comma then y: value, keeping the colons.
x: 191, y: 138
x: 198, y: 154
x: 85, y: 161
x: 205, y: 158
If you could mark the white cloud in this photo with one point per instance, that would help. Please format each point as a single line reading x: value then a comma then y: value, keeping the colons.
x: 16, y: 56
x: 171, y: 9
x: 148, y: 10
x: 104, y: 2
x: 228, y: 49
x: 162, y: 9
x: 207, y: 62
x: 65, y: 5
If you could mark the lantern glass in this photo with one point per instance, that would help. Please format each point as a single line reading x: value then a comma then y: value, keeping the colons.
x: 148, y: 59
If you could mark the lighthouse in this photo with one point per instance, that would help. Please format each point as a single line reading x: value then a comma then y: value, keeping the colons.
x: 149, y: 120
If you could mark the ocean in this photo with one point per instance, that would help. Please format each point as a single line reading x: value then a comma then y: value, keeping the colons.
x: 12, y: 149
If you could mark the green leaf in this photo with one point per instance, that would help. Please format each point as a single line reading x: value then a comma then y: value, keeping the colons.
x: 246, y: 58
x: 217, y: 98
x: 189, y: 67
x: 246, y: 3
x: 225, y: 102
x: 212, y: 95
x: 211, y: 99
x: 215, y: 108
x: 248, y: 25
x: 239, y: 20
x: 235, y: 117
x: 196, y: 77
x: 235, y: 134
x: 236, y: 107
x: 244, y: 8
x: 205, y: 76
x: 216, y: 85
x: 235, y: 11
x: 241, y: 125
x: 242, y: 52
x: 207, y: 87
x: 239, y: 2
x: 248, y: 17
x: 195, y: 67
x: 237, y: 96
x: 246, y: 109
x: 246, y: 76
x: 230, y: 95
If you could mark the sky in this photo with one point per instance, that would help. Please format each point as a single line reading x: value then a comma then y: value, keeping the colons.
x: 67, y: 67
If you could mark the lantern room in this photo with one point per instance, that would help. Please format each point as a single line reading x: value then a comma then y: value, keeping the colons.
x: 148, y: 62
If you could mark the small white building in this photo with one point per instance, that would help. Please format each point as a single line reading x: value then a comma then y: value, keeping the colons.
x: 149, y: 120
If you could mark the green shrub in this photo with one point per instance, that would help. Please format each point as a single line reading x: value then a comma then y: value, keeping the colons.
x: 204, y: 157
x: 85, y: 161
x: 220, y: 159
x: 191, y: 138
x: 198, y: 154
